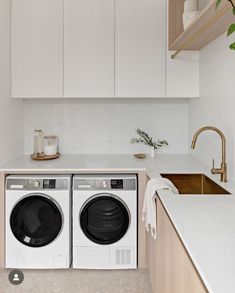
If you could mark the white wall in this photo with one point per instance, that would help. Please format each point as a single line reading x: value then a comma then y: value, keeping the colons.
x: 107, y: 125
x: 216, y: 105
x: 11, y: 118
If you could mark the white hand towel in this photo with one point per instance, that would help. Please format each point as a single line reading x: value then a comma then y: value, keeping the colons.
x: 149, y: 207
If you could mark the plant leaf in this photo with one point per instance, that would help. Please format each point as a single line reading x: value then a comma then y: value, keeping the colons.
x: 232, y: 46
x: 234, y: 10
x: 218, y: 3
x: 231, y: 29
x: 144, y: 138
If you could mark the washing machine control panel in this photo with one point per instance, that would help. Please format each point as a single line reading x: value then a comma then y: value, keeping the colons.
x: 37, y: 183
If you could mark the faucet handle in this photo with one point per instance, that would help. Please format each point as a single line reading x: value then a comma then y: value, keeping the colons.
x: 213, y: 169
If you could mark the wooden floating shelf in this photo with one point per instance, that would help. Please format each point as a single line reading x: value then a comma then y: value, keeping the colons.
x: 209, y: 25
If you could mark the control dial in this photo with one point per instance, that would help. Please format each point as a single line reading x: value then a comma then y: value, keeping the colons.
x: 36, y: 184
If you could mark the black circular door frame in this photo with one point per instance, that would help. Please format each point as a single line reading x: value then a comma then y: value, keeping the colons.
x: 36, y: 220
x: 104, y: 218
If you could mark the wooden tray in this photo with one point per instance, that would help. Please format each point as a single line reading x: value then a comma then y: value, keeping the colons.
x: 44, y: 157
x: 140, y: 156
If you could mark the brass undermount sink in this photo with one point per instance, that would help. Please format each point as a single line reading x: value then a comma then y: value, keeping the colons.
x: 195, y: 184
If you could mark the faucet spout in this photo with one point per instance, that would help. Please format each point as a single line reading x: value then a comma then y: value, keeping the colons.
x: 223, y: 169
x: 196, y: 136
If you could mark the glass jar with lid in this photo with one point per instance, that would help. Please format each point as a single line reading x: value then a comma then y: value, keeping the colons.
x: 50, y: 147
x: 38, y: 142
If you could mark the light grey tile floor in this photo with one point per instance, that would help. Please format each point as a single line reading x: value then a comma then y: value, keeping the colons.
x: 78, y: 281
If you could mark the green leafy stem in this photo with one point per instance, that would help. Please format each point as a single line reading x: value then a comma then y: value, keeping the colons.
x: 231, y: 28
x: 144, y: 138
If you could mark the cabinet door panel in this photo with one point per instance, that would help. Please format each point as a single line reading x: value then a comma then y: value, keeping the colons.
x: 170, y: 267
x: 37, y: 48
x: 140, y: 48
x: 89, y: 48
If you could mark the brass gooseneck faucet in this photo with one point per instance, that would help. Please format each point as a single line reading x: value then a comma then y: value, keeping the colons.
x: 223, y: 169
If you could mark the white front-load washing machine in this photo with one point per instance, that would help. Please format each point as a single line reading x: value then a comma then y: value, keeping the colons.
x: 105, y: 221
x: 38, y: 222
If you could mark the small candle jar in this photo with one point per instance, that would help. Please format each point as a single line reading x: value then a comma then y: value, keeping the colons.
x: 50, y: 145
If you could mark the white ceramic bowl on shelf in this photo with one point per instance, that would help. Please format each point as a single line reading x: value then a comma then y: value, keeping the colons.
x: 189, y: 17
x: 190, y: 5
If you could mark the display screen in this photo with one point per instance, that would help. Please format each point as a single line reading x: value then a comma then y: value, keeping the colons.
x: 116, y: 184
x: 49, y: 183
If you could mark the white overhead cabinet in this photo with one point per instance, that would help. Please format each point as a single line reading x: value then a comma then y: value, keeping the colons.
x: 96, y: 48
x: 140, y: 48
x: 37, y: 48
x: 88, y: 48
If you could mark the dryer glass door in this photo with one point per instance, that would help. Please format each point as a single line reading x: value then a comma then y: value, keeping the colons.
x: 104, y: 219
x: 36, y: 220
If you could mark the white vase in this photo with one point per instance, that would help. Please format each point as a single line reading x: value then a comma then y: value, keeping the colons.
x: 188, y: 17
x: 190, y: 5
x: 152, y: 152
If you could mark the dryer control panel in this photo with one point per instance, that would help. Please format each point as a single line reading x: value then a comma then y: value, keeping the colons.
x: 116, y: 183
x: 109, y: 182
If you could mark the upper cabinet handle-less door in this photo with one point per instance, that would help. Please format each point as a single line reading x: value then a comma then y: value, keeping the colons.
x: 37, y: 48
x: 89, y: 48
x: 140, y: 48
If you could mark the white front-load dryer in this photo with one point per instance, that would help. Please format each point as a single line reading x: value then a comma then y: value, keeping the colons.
x: 38, y: 222
x: 105, y: 221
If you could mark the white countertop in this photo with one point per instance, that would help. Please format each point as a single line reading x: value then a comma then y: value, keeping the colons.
x: 206, y: 224
x: 99, y: 163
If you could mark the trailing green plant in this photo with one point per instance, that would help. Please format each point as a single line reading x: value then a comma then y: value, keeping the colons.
x: 231, y: 28
x: 144, y: 138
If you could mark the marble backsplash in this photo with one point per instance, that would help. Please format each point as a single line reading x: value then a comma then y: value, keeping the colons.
x: 106, y: 125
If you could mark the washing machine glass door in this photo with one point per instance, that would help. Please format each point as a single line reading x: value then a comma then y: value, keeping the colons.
x: 104, y: 219
x: 36, y: 220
